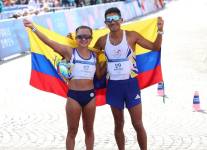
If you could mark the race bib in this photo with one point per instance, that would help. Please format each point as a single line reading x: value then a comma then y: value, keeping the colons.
x: 119, y: 68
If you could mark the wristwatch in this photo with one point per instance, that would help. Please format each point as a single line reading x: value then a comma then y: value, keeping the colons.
x: 34, y: 29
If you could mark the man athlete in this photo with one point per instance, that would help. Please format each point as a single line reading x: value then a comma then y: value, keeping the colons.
x: 122, y: 87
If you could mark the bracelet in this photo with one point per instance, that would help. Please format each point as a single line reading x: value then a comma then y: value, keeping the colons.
x: 34, y: 29
x: 160, y: 32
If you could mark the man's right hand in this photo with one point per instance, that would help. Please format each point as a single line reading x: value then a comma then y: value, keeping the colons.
x: 160, y: 24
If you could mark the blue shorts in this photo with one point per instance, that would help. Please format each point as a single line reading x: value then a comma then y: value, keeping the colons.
x: 123, y: 93
x: 82, y: 97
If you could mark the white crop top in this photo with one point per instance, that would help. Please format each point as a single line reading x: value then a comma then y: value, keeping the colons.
x: 82, y: 68
x: 121, y: 60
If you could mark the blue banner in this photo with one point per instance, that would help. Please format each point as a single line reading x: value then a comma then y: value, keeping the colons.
x: 13, y: 38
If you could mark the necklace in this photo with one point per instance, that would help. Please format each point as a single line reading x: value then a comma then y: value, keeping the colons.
x: 115, y: 41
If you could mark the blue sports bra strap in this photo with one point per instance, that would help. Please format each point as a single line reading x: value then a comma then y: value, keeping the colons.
x: 94, y: 56
x: 74, y: 50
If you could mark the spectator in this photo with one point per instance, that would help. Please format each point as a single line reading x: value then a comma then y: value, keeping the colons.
x: 34, y: 4
x: 80, y: 3
x: 93, y: 2
x: 71, y: 3
x: 65, y: 3
x: 1, y: 6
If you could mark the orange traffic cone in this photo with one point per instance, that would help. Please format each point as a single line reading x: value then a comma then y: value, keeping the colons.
x: 196, y: 102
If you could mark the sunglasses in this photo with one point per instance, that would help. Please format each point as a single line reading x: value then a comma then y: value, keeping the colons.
x: 84, y: 37
x: 110, y: 19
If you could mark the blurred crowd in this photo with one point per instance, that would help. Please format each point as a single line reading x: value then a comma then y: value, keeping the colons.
x: 34, y: 7
x: 40, y: 3
x: 41, y: 6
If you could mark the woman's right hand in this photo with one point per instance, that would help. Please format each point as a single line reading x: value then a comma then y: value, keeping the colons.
x: 28, y: 23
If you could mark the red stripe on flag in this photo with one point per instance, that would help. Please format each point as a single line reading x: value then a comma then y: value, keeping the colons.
x: 100, y: 97
x: 48, y: 83
x: 150, y: 77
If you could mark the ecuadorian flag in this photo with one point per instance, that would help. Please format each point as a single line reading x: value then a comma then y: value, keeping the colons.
x: 44, y: 74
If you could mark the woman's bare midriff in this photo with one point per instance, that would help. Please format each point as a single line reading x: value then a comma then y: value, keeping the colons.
x: 81, y: 84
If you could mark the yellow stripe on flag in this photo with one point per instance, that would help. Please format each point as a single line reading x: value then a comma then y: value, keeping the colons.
x: 147, y: 28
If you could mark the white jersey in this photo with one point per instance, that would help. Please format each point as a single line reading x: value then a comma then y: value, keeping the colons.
x: 82, y: 68
x: 121, y: 60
